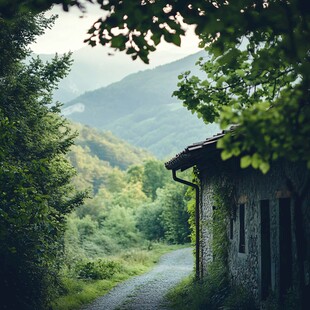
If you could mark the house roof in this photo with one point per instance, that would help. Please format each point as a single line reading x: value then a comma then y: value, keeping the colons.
x: 194, y: 153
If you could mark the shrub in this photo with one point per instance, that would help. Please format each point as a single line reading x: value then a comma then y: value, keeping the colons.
x: 86, y: 227
x: 97, y: 269
x: 120, y: 225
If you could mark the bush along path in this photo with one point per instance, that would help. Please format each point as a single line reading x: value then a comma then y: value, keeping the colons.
x: 147, y: 292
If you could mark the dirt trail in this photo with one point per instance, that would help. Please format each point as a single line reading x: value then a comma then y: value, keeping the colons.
x: 147, y: 292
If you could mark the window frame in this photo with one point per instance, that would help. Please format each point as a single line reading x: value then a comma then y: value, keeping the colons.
x: 242, y: 247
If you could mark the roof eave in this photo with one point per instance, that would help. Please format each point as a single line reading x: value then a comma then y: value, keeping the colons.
x: 192, y: 155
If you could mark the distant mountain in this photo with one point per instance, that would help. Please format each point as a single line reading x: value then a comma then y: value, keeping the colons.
x: 140, y: 109
x: 96, y: 67
x: 93, y: 68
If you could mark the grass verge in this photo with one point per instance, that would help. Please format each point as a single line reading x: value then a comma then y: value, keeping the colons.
x: 213, y: 293
x: 77, y: 292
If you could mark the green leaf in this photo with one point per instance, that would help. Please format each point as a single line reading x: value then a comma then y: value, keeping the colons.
x: 130, y: 51
x: 240, y: 72
x: 156, y: 38
x: 264, y: 167
x: 118, y: 41
x: 220, y: 144
x: 226, y: 155
x: 245, y: 161
x: 176, y: 39
x: 236, y: 151
x: 221, y: 79
x: 256, y: 161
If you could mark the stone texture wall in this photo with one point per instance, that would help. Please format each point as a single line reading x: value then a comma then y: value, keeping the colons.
x: 251, y: 187
x: 206, y: 204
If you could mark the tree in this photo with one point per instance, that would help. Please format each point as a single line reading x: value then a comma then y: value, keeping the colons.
x: 167, y: 217
x: 256, y: 88
x: 154, y: 176
x: 135, y: 173
x: 120, y: 225
x: 150, y: 223
x: 35, y: 175
x: 175, y: 215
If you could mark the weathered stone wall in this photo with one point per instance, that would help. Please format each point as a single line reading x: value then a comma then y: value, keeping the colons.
x: 206, y: 204
x: 251, y: 187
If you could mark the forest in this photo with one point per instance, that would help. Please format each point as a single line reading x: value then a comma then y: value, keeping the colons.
x: 134, y: 206
x: 77, y: 205
x: 131, y: 204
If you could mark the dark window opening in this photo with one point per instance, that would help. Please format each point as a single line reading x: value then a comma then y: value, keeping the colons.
x: 241, y: 229
x: 285, y: 246
x: 265, y: 249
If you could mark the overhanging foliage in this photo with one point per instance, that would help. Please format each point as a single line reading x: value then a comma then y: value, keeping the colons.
x: 258, y: 77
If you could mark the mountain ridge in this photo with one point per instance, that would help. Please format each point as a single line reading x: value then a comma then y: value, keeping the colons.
x: 93, y: 68
x: 141, y: 110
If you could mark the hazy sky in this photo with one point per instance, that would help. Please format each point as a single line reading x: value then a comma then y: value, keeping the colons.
x: 70, y: 30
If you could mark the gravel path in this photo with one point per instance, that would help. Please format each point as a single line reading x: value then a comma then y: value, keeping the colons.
x: 146, y: 292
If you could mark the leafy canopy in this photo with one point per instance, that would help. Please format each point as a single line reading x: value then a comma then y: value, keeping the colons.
x: 36, y: 194
x: 138, y: 26
x: 258, y: 76
x: 259, y: 82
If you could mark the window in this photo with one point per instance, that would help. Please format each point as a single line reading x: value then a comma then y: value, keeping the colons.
x: 241, y: 229
x: 285, y: 236
x: 265, y: 249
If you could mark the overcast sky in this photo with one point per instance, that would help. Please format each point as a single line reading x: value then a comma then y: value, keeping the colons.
x: 70, y: 30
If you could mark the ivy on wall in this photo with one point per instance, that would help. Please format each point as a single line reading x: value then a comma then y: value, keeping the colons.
x: 223, y: 197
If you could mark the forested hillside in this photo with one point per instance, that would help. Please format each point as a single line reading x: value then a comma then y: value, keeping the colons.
x: 133, y: 204
x: 108, y: 147
x: 100, y: 156
x: 134, y: 185
x: 140, y: 109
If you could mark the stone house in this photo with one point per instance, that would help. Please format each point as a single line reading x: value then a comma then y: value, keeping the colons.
x: 268, y: 227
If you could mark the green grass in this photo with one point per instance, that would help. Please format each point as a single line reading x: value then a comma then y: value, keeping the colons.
x: 213, y: 293
x: 78, y: 292
x: 187, y: 295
